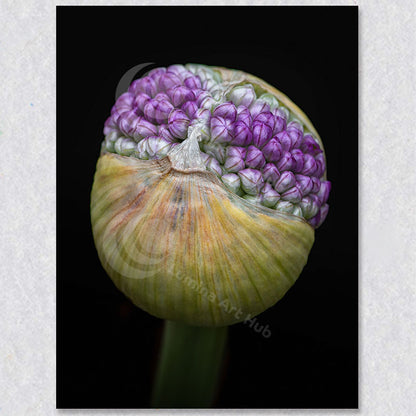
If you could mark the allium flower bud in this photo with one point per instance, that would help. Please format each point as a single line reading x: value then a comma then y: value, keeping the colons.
x: 323, y: 192
x: 297, y: 158
x: 286, y: 181
x: 305, y: 184
x: 284, y: 140
x: 269, y: 99
x: 157, y: 111
x: 234, y: 163
x: 163, y: 131
x: 242, y: 135
x: 269, y: 196
x: 251, y: 181
x: 156, y: 73
x: 146, y: 85
x: 244, y: 116
x: 242, y: 95
x: 254, y: 158
x: 226, y: 110
x: 258, y: 107
x: 221, y: 130
x: 309, y: 167
x: 110, y: 125
x: 232, y: 182
x: 309, y: 207
x: 286, y: 162
x: 309, y: 145
x: 236, y: 151
x: 124, y: 146
x: 195, y: 158
x: 262, y: 133
x: 293, y: 195
x: 193, y: 82
x: 214, y: 166
x: 178, y: 123
x: 217, y: 151
x: 157, y: 147
x: 180, y: 94
x: 140, y: 101
x: 273, y: 150
x: 270, y: 173
x: 316, y: 184
x: 124, y: 103
x: 169, y: 80
x: 265, y: 117
x: 190, y: 108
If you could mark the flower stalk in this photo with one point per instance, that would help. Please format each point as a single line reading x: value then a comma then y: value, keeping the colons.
x: 189, y: 366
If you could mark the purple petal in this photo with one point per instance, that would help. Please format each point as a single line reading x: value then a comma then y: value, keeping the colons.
x: 200, y: 96
x: 262, y: 133
x: 309, y: 145
x: 309, y: 207
x: 179, y: 94
x: 156, y: 73
x: 309, y: 166
x: 269, y: 196
x: 127, y: 122
x: 236, y: 151
x: 270, y: 173
x: 178, y: 123
x: 284, y: 140
x: 190, y: 108
x: 279, y: 125
x: 193, y: 82
x: 265, y: 117
x: 320, y: 165
x: 124, y: 103
x: 251, y: 181
x: 226, y: 110
x: 316, y: 184
x: 242, y: 135
x: 323, y: 192
x: 157, y: 111
x: 144, y: 129
x: 292, y: 195
x: 169, y: 80
x: 163, y: 131
x: 232, y: 182
x: 234, y: 164
x: 242, y: 95
x: 287, y: 180
x: 298, y: 162
x: 255, y: 158
x: 258, y: 107
x: 272, y: 150
x: 305, y: 184
x: 286, y: 162
x: 110, y: 125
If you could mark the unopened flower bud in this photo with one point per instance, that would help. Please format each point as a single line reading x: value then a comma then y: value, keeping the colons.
x: 242, y: 95
x: 251, y: 181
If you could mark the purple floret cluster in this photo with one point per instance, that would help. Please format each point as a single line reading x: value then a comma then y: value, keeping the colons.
x: 258, y: 150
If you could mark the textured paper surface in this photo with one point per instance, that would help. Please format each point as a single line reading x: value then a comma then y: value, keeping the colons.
x: 387, y: 209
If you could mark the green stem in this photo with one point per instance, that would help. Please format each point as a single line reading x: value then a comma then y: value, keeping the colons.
x: 189, y: 366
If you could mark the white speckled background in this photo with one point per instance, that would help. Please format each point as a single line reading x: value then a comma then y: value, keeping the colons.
x: 387, y: 209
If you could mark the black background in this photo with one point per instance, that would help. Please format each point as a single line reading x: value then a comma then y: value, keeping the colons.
x: 106, y: 347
